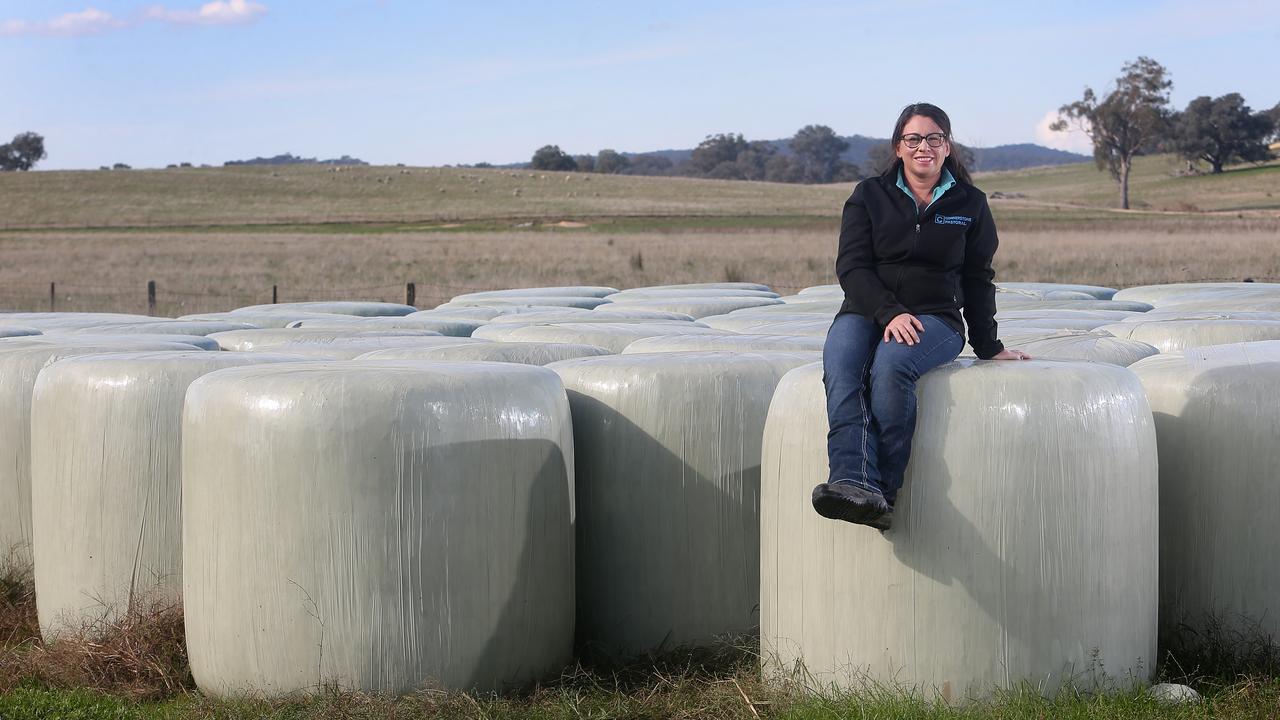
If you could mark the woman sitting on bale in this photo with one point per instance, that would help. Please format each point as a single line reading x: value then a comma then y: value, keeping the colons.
x: 915, y: 248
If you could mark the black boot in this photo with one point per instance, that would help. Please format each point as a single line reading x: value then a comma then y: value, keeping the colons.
x: 852, y: 503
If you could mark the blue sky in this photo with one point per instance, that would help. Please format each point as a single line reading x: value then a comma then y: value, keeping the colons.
x: 428, y: 83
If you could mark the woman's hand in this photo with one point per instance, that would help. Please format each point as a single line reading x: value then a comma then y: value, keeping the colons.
x: 1008, y: 354
x: 905, y: 328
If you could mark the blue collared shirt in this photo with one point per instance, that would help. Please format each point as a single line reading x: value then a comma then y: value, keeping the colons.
x: 944, y: 184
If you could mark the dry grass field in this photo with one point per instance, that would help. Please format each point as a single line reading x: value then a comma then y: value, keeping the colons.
x: 214, y: 239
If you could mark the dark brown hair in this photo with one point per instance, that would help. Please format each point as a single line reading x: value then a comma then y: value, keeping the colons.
x: 934, y: 113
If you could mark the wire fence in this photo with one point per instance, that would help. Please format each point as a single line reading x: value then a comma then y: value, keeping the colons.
x: 152, y: 298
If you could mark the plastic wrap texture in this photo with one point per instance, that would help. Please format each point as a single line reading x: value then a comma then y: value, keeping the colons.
x: 106, y: 483
x: 526, y: 353
x: 1075, y: 345
x: 1217, y: 422
x: 1176, y: 293
x: 1169, y: 335
x: 19, y: 367
x: 1018, y: 301
x: 8, y: 331
x: 1043, y: 289
x: 725, y: 343
x: 350, y: 348
x: 335, y: 307
x: 377, y: 524
x: 668, y: 479
x: 563, y: 291
x: 553, y: 316
x: 456, y: 327
x: 169, y: 327
x: 262, y: 319
x: 1023, y: 541
x: 658, y: 294
x: 613, y: 336
x: 743, y: 320
x: 694, y: 307
x: 245, y: 340
x: 577, y: 301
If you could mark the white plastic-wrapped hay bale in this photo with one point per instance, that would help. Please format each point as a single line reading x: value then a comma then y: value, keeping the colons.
x: 456, y: 327
x: 551, y: 316
x: 596, y: 291
x: 1177, y: 293
x: 67, y: 321
x: 1023, y: 546
x: 1015, y: 301
x: 817, y: 327
x: 652, y: 294
x: 1033, y: 314
x: 1246, y: 303
x: 247, y: 340
x: 503, y: 332
x: 1217, y: 422
x: 488, y: 312
x: 832, y: 289
x: 1160, y: 315
x: 350, y: 348
x: 416, y: 528
x: 825, y: 307
x: 1053, y: 323
x: 525, y: 353
x: 169, y: 327
x: 668, y: 478
x: 694, y: 307
x: 8, y: 331
x: 261, y: 319
x: 106, y: 483
x: 740, y: 321
x: 197, y: 341
x: 20, y: 363
x: 1169, y: 335
x: 334, y: 307
x: 709, y: 286
x: 577, y: 301
x: 1073, y: 345
x: 1097, y: 292
x: 725, y: 343
x: 613, y: 336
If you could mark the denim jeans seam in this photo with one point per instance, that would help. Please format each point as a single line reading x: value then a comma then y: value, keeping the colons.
x: 866, y: 413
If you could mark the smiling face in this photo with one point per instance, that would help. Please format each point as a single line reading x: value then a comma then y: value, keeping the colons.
x: 923, y: 162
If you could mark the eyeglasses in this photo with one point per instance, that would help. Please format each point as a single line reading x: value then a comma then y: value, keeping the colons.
x: 934, y: 139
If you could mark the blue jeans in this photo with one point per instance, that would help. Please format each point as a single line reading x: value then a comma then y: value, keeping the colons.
x: 871, y: 397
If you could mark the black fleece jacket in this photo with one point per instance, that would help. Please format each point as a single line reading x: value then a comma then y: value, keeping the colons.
x: 895, y: 259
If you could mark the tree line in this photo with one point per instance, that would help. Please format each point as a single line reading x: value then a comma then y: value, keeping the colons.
x: 814, y: 157
x: 1135, y: 118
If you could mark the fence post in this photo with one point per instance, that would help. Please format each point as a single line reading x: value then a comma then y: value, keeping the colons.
x: 274, y: 296
x: 151, y: 297
x: 53, y: 297
x: 410, y: 293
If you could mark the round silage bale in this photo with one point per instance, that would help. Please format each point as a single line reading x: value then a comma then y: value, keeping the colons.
x: 8, y: 331
x: 1216, y: 421
x: 1014, y: 301
x: 725, y: 343
x: 1074, y: 345
x: 694, y: 307
x: 817, y: 327
x: 350, y: 348
x: 504, y: 332
x: 197, y: 341
x: 708, y: 286
x: 170, y: 327
x: 334, y: 307
x: 832, y: 289
x: 548, y: 317
x: 1023, y: 547
x: 19, y: 366
x: 578, y: 301
x: 824, y: 307
x: 1159, y: 315
x: 67, y: 321
x: 487, y: 312
x: 1169, y: 335
x: 262, y: 319
x: 247, y: 340
x: 1177, y: 293
x: 668, y: 478
x: 455, y: 327
x: 1054, y: 323
x: 652, y: 294
x: 1244, y: 303
x: 1097, y: 292
x: 106, y: 483
x: 613, y: 336
x: 526, y: 353
x: 596, y: 291
x: 377, y: 525
x: 1032, y: 314
x: 740, y: 321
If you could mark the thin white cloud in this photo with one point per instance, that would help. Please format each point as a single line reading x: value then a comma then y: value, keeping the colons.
x: 1073, y: 139
x: 219, y: 12
x: 90, y: 21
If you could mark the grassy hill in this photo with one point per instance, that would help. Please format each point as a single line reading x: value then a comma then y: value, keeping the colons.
x: 380, y: 199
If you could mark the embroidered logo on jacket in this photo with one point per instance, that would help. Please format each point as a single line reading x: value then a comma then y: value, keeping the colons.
x: 952, y: 219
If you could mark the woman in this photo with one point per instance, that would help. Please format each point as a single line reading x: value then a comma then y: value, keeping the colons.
x: 915, y: 247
